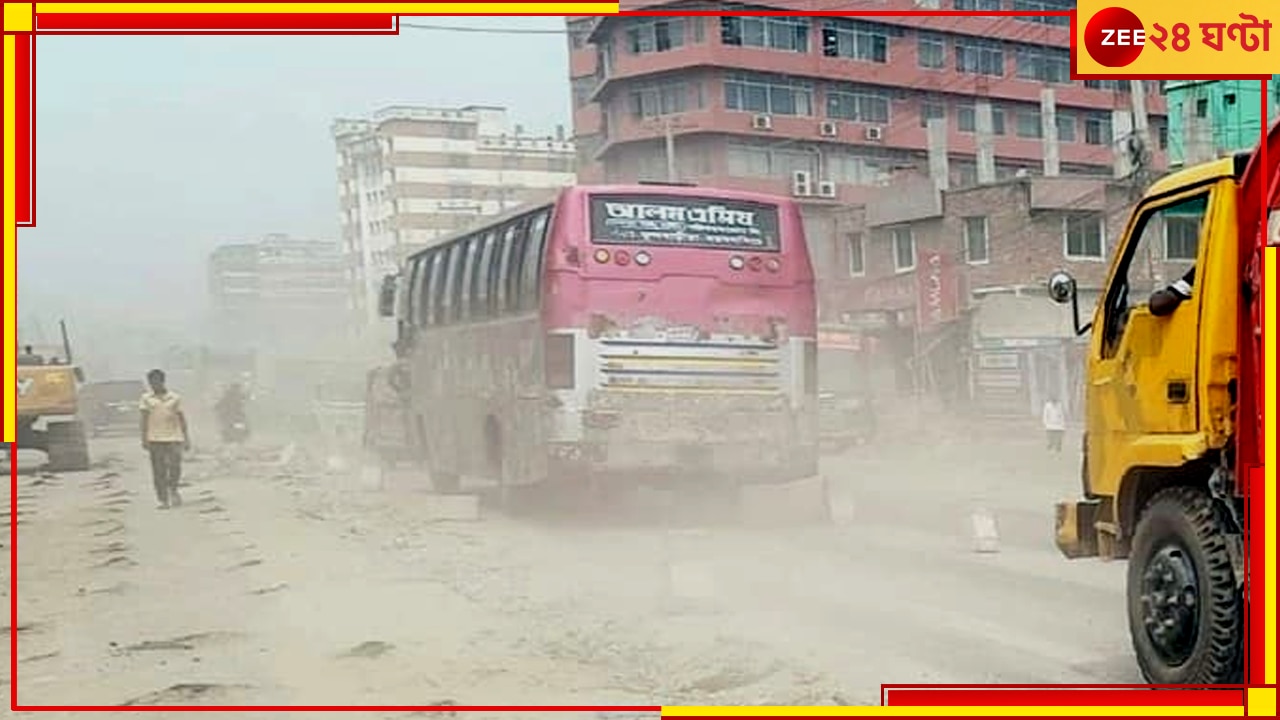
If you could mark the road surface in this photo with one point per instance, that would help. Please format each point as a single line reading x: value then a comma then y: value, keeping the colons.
x: 279, y: 585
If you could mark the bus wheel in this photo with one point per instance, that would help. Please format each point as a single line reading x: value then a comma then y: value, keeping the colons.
x: 1185, y: 611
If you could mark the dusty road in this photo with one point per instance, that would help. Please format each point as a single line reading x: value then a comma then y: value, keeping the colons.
x: 275, y: 586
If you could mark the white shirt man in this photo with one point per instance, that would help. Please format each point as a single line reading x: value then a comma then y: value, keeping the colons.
x: 1055, y: 423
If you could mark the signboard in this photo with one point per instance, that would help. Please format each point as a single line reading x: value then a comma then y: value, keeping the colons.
x: 936, y: 296
x: 837, y: 340
x: 684, y: 222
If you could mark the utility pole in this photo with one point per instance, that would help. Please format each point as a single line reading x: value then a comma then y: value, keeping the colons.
x: 669, y: 136
x: 1140, y: 161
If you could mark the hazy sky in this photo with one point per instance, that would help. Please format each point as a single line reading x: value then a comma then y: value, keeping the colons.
x: 151, y: 151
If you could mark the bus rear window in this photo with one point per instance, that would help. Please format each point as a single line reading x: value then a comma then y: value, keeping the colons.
x: 704, y: 223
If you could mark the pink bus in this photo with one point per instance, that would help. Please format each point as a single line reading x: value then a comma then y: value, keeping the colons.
x: 634, y: 332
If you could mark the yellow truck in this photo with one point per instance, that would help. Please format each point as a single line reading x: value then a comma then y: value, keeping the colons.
x: 1174, y: 396
x: 48, y: 391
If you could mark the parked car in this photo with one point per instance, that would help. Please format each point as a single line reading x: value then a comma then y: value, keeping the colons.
x: 111, y: 406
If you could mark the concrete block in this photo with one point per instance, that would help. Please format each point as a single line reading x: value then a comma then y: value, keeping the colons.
x: 986, y: 532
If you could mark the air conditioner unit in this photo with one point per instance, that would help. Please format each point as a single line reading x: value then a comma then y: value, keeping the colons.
x: 801, y: 184
x: 828, y: 128
x: 875, y: 132
x: 826, y: 189
x: 761, y: 122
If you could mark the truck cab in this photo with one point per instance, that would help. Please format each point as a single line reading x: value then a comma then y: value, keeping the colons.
x: 1173, y: 414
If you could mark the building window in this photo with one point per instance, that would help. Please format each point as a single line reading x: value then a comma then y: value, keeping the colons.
x: 1162, y: 136
x: 775, y: 33
x: 904, y: 249
x: 857, y: 255
x: 1044, y: 65
x: 855, y: 169
x: 979, y: 5
x: 931, y: 51
x: 762, y: 161
x: 1181, y: 236
x: 1029, y: 125
x: 858, y: 106
x: 655, y: 35
x: 1112, y: 85
x: 1097, y: 130
x: 1044, y: 6
x: 976, y: 250
x: 967, y: 119
x: 772, y: 95
x: 931, y: 111
x: 853, y: 39
x: 1082, y: 235
x: 655, y: 101
x: 979, y: 58
x: 1066, y: 128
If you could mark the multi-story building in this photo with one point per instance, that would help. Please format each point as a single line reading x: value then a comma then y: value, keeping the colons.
x: 884, y: 127
x: 279, y: 293
x: 750, y: 101
x: 408, y: 176
x: 1211, y: 118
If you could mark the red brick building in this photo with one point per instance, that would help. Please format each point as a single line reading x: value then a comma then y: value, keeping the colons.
x: 836, y: 112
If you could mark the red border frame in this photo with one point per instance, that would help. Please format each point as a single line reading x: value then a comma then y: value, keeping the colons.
x: 331, y: 24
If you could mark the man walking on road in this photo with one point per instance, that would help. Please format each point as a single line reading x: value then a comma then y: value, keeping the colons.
x: 164, y: 436
x: 1055, y: 423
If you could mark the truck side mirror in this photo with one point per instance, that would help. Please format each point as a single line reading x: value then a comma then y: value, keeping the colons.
x: 1062, y: 289
x: 79, y: 371
x: 387, y: 297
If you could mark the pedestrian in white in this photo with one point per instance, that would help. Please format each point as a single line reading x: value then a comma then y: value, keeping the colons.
x: 1055, y: 423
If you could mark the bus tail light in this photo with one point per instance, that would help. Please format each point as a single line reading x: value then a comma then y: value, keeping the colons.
x: 643, y: 258
x: 557, y: 360
x: 622, y: 257
x: 736, y: 263
x: 755, y: 264
x: 602, y: 256
x: 772, y: 265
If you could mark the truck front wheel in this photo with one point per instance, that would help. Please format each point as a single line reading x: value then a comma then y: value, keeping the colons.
x: 1185, y: 612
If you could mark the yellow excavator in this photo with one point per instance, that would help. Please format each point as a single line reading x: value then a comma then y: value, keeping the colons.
x: 49, y: 391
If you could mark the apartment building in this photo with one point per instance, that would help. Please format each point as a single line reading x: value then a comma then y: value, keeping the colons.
x: 828, y: 107
x: 409, y: 176
x: 278, y: 292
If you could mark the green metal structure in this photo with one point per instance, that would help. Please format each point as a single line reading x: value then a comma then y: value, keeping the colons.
x: 1213, y: 118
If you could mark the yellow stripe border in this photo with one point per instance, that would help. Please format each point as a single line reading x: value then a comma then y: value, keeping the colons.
x: 10, y: 238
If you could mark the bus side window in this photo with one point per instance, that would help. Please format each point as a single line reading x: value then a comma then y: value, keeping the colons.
x: 515, y: 273
x: 430, y: 293
x: 464, y: 288
x: 530, y: 283
x: 453, y: 268
x: 503, y: 269
x: 481, y: 307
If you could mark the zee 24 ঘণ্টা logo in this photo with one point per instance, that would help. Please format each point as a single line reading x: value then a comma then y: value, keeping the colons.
x: 1115, y: 37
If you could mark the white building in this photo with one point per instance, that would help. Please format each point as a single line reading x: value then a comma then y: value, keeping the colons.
x: 410, y: 175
